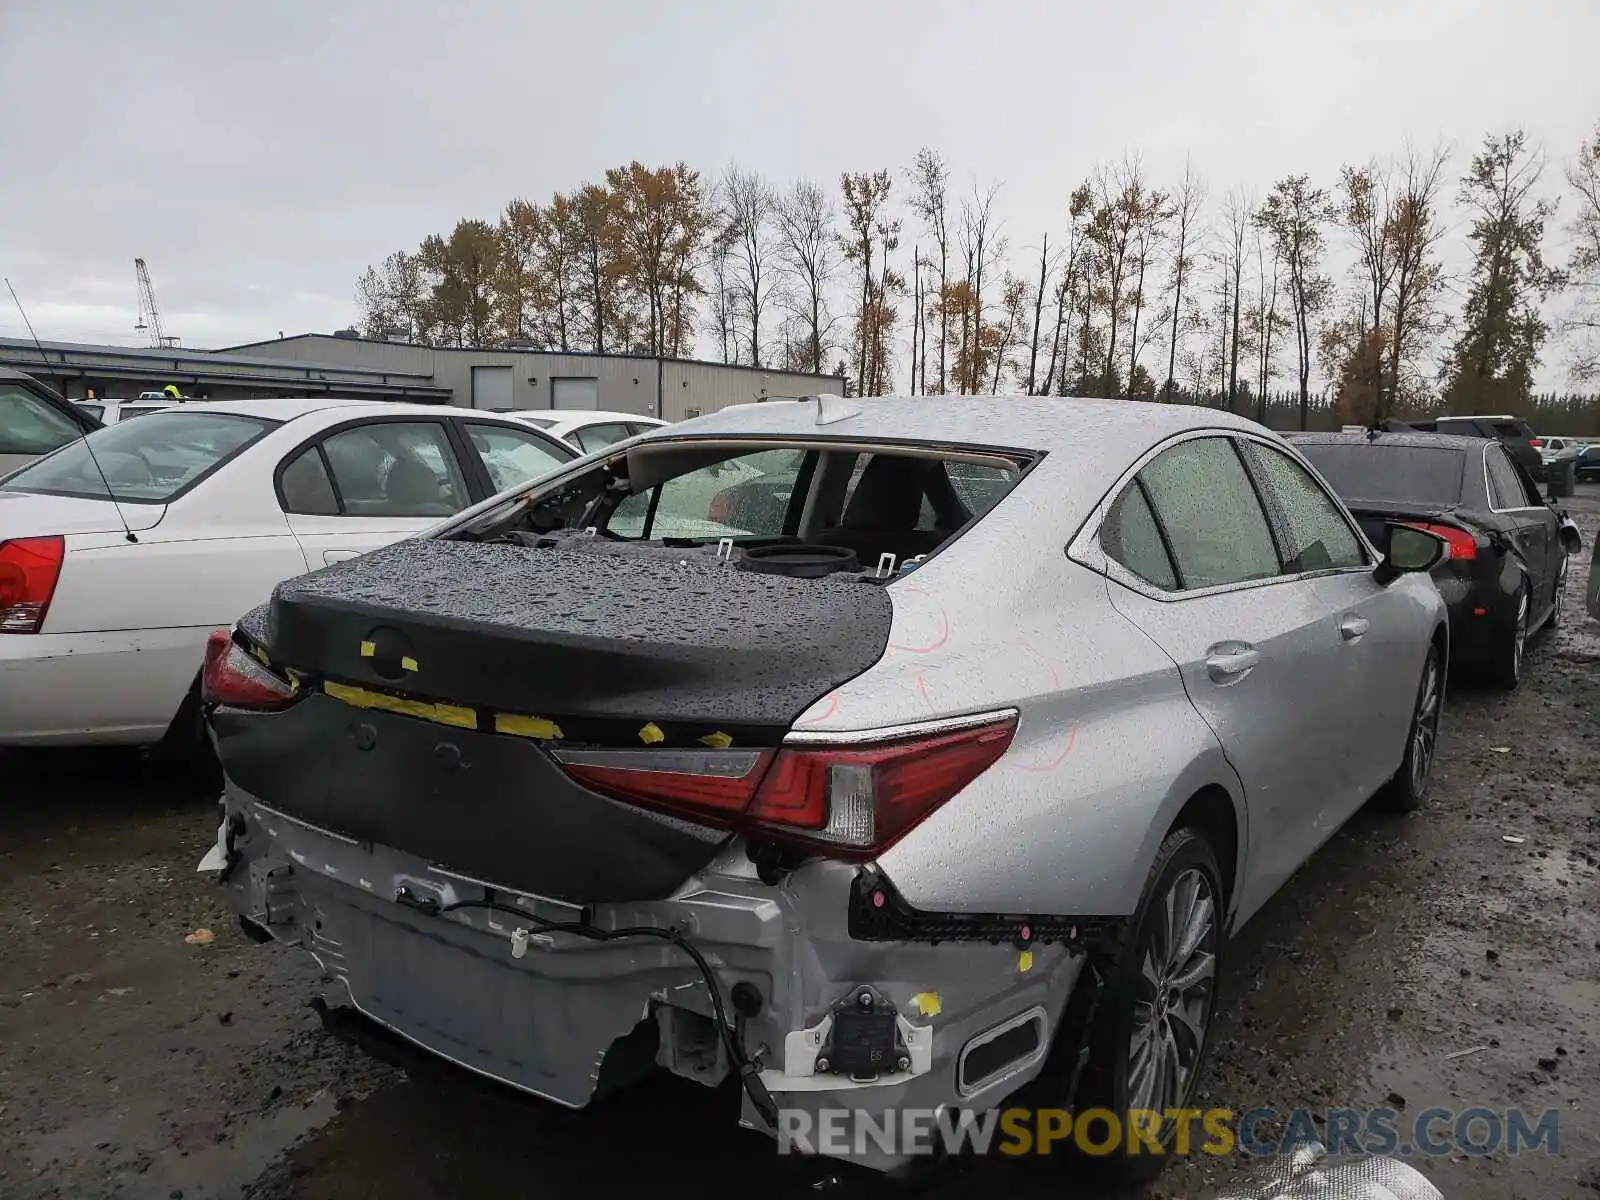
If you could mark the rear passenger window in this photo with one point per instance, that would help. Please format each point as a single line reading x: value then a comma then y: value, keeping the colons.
x: 1131, y: 537
x: 1209, y: 510
x: 594, y: 438
x: 305, y: 487
x: 396, y: 469
x: 1505, y: 489
x: 1312, y: 534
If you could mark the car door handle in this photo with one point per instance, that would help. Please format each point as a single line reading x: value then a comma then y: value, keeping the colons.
x: 333, y: 556
x: 1229, y: 664
x: 1352, y: 627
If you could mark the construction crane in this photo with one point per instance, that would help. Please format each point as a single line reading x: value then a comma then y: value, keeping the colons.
x: 149, y: 314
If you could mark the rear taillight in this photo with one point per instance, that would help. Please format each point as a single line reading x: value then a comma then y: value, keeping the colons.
x: 839, y: 801
x: 233, y: 678
x: 29, y: 569
x: 1459, y: 542
x: 1535, y: 442
x: 721, y: 507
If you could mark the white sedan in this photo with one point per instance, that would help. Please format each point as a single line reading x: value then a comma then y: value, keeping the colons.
x: 590, y: 430
x: 121, y: 552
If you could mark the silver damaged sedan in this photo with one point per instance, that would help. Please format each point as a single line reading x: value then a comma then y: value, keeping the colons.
x: 879, y: 755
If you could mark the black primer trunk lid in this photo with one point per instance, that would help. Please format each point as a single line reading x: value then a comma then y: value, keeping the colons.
x: 567, y: 631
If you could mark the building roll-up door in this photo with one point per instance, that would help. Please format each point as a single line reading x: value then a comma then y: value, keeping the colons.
x: 491, y: 387
x: 581, y: 394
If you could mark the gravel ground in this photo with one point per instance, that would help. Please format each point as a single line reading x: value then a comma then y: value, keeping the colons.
x: 140, y: 1057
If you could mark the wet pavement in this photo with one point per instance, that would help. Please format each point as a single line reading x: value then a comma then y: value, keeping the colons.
x: 1416, y: 960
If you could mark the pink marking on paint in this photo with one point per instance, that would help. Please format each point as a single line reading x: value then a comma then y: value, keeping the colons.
x: 1055, y: 675
x: 944, y: 629
x: 1072, y: 740
x: 878, y: 900
x: 833, y: 706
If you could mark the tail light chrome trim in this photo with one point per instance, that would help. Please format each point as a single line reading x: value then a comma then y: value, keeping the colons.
x: 895, y: 733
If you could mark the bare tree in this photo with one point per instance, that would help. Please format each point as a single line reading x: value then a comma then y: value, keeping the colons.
x: 1238, y: 211
x: 806, y: 250
x: 1186, y: 215
x: 1363, y: 210
x: 1294, y: 214
x: 724, y: 307
x: 1154, y: 211
x: 1583, y: 271
x: 748, y: 204
x: 1122, y: 201
x: 930, y: 180
x: 1413, y: 229
x: 982, y: 248
x: 1266, y: 321
x: 1046, y: 266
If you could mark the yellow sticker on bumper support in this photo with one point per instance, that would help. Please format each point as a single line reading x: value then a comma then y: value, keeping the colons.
x: 443, y: 714
x: 528, y: 727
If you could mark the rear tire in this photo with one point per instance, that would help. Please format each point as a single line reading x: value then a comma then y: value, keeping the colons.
x: 1558, y: 602
x: 1148, y: 1036
x: 186, y: 746
x: 1505, y: 668
x: 1409, y: 787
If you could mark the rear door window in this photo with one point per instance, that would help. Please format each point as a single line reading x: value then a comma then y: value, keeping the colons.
x: 1513, y: 429
x: 1131, y: 537
x: 396, y: 469
x: 304, y: 485
x: 1313, y: 534
x: 1505, y: 487
x: 1213, y: 520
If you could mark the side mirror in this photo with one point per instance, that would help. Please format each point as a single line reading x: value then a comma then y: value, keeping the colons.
x: 1571, y: 539
x: 1409, y: 551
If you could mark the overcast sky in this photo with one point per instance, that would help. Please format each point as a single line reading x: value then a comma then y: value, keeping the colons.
x: 259, y: 156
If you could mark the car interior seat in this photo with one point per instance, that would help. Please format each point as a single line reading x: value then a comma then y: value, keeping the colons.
x: 411, y: 488
x: 883, y: 512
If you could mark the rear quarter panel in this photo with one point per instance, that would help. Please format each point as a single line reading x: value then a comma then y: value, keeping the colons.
x: 1108, y: 748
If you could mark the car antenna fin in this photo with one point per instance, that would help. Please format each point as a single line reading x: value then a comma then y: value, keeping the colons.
x: 831, y: 408
x: 127, y: 529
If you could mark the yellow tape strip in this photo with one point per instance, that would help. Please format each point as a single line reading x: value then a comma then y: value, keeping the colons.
x: 368, y: 649
x: 443, y: 714
x: 407, y: 663
x: 651, y: 734
x: 717, y: 740
x: 528, y: 727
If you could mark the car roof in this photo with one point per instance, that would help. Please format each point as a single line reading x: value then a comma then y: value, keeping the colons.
x: 584, y: 416
x: 289, y: 408
x: 1062, y: 425
x: 1439, y: 441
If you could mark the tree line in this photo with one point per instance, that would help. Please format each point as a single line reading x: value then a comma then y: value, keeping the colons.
x: 1148, y: 289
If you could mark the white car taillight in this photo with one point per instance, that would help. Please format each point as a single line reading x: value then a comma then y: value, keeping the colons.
x: 29, y: 569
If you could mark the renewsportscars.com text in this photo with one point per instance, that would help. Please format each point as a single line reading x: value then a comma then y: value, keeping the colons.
x: 1431, y: 1132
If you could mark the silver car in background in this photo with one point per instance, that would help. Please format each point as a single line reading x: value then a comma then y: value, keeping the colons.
x: 965, y: 756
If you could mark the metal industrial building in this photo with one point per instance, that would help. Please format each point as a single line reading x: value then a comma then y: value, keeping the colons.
x: 512, y: 377
x: 347, y: 365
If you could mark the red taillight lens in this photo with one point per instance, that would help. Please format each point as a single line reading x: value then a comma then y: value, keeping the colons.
x: 231, y: 677
x: 1461, y: 543
x: 1535, y: 442
x: 843, y: 802
x: 29, y: 569
x: 859, y: 802
x: 721, y: 507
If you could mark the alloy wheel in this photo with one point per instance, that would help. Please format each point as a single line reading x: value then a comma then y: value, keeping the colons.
x: 1174, y: 988
x: 1425, y: 736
